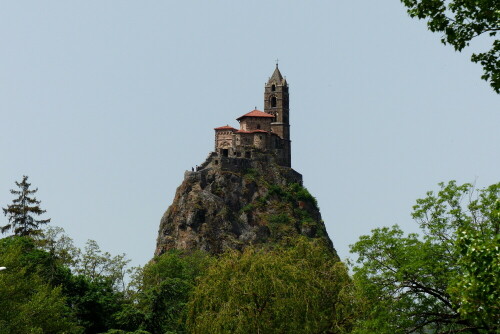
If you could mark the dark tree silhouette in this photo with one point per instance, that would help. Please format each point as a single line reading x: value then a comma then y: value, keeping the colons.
x: 22, y: 211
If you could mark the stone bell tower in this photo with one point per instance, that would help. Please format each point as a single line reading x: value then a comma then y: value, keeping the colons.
x: 276, y: 103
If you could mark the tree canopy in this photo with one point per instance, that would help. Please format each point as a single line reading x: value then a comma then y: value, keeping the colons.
x: 165, y: 286
x: 28, y: 302
x: 461, y: 21
x: 39, y: 293
x: 300, y: 288
x: 445, y: 281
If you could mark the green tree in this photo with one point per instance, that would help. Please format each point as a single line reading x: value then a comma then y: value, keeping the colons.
x: 96, y: 264
x: 39, y: 280
x: 298, y: 288
x: 93, y: 302
x: 22, y: 210
x: 91, y: 281
x: 460, y: 21
x: 164, y: 287
x: 413, y: 284
x: 96, y: 289
x: 28, y: 303
x: 477, y: 290
x: 56, y: 242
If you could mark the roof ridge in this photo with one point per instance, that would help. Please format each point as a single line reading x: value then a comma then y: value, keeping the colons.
x: 255, y: 113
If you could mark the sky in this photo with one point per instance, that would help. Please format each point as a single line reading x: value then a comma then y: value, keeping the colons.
x: 105, y: 104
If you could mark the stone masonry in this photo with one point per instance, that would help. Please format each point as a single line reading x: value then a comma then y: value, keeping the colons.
x: 265, y: 131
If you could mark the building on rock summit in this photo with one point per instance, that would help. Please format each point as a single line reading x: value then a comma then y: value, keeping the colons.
x: 262, y: 139
x: 265, y: 131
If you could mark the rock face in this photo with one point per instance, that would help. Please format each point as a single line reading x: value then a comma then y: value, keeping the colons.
x: 254, y: 202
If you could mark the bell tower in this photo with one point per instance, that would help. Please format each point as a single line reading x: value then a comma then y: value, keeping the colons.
x: 276, y: 103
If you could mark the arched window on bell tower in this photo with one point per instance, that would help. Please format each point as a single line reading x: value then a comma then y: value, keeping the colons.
x: 273, y: 87
x: 273, y: 101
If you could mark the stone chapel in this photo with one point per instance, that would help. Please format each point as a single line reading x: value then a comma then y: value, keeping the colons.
x: 265, y: 131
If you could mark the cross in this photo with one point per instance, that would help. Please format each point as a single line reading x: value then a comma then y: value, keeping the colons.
x: 277, y: 60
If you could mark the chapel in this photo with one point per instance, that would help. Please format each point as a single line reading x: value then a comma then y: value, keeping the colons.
x: 265, y: 131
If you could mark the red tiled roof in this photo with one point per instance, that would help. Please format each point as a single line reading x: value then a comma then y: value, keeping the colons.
x: 255, y: 113
x: 225, y: 127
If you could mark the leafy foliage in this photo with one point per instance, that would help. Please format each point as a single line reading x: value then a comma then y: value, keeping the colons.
x: 291, y: 193
x: 83, y: 303
x: 96, y: 264
x: 298, y: 288
x: 95, y: 287
x: 476, y: 291
x: 59, y: 245
x: 281, y: 226
x: 432, y: 283
x: 28, y: 303
x: 288, y: 210
x: 460, y: 21
x: 164, y: 288
x: 22, y: 209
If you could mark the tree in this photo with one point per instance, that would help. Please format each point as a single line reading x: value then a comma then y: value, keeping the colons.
x: 56, y: 242
x: 96, y: 264
x: 93, y: 302
x: 28, y: 302
x: 22, y: 209
x: 39, y: 293
x: 447, y: 280
x: 164, y: 287
x: 477, y: 291
x: 461, y: 21
x: 298, y: 288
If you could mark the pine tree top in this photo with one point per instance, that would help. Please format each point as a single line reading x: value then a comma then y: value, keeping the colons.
x: 22, y: 211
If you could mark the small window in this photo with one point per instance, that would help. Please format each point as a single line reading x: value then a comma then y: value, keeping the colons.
x: 258, y: 126
x: 273, y: 102
x: 273, y: 88
x: 216, y: 162
x: 248, y: 155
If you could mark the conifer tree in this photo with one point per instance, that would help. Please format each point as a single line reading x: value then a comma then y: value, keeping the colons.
x: 22, y: 211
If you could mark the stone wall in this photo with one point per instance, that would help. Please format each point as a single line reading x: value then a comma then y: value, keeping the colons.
x: 256, y: 123
x: 223, y: 139
x: 256, y: 159
x: 261, y: 141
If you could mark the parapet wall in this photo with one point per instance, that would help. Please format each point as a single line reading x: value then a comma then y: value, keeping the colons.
x: 259, y: 160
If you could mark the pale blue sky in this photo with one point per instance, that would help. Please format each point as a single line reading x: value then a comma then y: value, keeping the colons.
x: 105, y: 104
